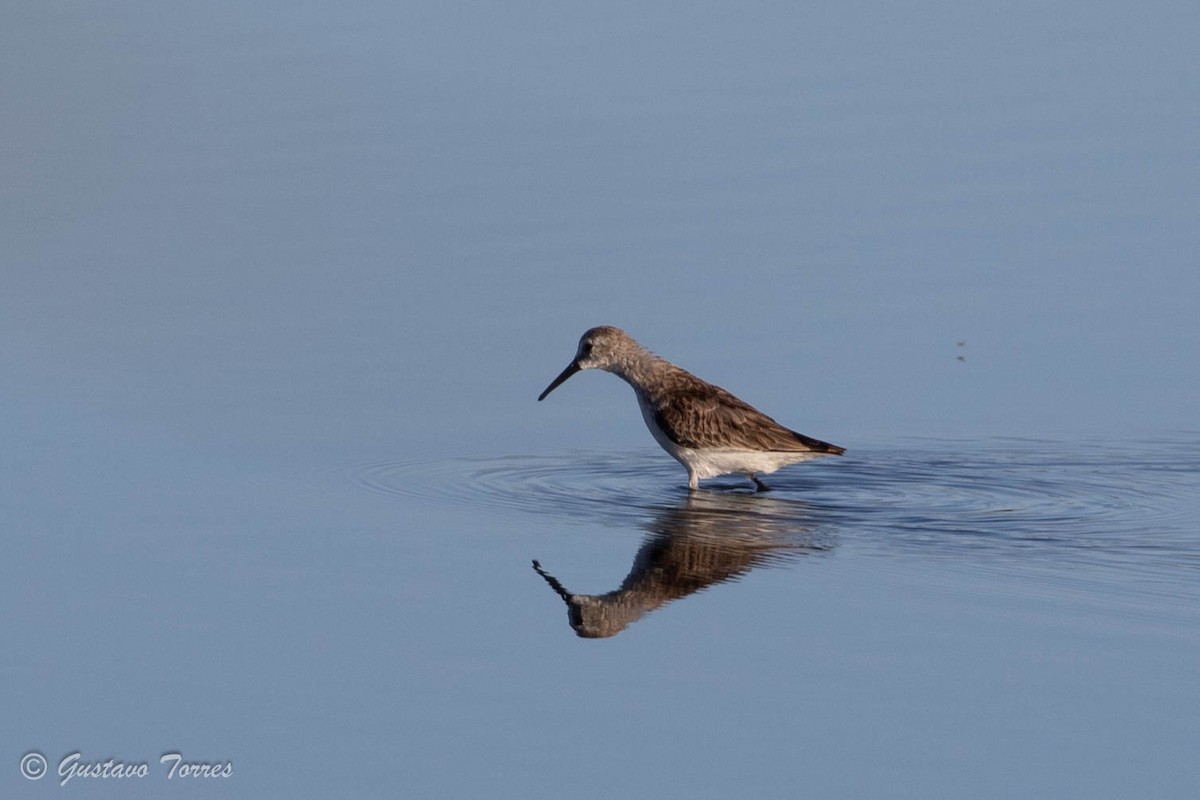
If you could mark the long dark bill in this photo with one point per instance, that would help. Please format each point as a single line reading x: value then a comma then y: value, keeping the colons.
x: 571, y: 369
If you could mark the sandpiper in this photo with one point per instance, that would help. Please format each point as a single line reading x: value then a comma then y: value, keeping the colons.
x: 700, y: 425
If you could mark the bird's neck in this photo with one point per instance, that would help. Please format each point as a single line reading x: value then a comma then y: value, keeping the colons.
x: 641, y: 368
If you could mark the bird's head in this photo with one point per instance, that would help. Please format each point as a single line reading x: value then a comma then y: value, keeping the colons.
x: 600, y: 348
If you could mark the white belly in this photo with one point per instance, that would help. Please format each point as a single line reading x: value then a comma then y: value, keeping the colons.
x: 710, y: 463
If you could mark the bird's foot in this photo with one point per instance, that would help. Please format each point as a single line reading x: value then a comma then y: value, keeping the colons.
x: 759, y: 485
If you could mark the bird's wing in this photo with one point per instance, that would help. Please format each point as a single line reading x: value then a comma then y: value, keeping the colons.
x: 703, y: 415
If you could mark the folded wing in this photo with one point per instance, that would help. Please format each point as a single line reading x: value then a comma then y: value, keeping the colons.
x: 704, y: 416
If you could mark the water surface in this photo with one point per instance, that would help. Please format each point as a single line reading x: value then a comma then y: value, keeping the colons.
x: 279, y: 287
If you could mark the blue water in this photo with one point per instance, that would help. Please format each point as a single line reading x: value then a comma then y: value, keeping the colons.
x: 279, y: 288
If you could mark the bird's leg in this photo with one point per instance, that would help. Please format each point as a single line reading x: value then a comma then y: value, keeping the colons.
x: 760, y: 486
x: 693, y: 481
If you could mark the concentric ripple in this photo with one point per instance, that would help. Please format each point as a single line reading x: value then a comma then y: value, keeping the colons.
x: 1113, y: 503
x: 614, y: 487
x: 1119, y: 503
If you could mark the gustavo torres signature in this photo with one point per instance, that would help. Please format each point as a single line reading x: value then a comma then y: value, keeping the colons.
x: 172, y: 764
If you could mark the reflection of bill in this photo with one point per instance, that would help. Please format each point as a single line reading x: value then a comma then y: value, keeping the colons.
x: 707, y: 539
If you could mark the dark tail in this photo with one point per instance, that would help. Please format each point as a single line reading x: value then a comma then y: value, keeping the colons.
x: 817, y: 446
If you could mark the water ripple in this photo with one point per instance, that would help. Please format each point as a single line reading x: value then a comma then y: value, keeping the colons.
x: 1115, y: 504
x: 612, y: 487
x: 1118, y: 502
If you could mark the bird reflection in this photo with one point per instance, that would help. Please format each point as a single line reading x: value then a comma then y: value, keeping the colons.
x: 708, y: 538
